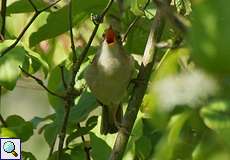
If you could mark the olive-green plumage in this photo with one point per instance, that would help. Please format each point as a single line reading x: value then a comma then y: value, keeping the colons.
x: 108, y: 77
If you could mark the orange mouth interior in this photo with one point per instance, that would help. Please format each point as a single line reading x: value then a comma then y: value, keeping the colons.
x: 110, y: 35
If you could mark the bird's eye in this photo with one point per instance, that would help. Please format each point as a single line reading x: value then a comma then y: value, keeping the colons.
x: 118, y: 37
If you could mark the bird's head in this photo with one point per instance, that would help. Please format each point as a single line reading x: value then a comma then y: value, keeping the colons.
x: 111, y: 37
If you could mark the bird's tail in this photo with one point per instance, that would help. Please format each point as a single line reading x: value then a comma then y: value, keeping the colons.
x: 110, y: 119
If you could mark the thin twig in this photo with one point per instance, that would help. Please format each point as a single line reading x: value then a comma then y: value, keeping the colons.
x: 86, y: 147
x: 63, y: 77
x: 145, y: 71
x: 3, y: 14
x: 133, y: 23
x: 130, y: 27
x: 48, y: 7
x: 36, y: 14
x: 3, y: 121
x: 52, y: 146
x: 85, y: 51
x: 40, y: 82
x: 33, y: 5
x: 70, y: 94
x: 71, y: 32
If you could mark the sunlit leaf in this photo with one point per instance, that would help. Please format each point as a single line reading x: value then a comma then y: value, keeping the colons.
x: 38, y: 58
x: 216, y: 114
x: 9, y: 65
x: 183, y: 6
x: 166, y: 146
x: 7, y: 133
x: 55, y: 27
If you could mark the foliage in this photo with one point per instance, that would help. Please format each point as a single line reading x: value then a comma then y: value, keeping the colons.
x: 185, y: 113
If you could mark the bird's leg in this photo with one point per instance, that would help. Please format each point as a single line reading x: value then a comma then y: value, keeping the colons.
x: 118, y: 116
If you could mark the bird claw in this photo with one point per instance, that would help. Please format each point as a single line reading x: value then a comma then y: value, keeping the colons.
x: 122, y: 128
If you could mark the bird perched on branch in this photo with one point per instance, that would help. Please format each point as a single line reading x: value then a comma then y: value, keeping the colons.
x: 108, y: 77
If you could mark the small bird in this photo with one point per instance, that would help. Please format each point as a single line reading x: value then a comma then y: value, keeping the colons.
x: 108, y: 77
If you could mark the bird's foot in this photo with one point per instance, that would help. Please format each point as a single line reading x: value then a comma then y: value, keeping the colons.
x: 122, y: 128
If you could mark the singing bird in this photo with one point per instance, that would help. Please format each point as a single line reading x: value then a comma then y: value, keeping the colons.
x: 108, y: 77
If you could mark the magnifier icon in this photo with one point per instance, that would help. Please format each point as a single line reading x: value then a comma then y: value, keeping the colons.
x: 9, y: 147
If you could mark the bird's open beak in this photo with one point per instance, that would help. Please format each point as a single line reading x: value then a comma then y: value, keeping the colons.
x: 110, y: 35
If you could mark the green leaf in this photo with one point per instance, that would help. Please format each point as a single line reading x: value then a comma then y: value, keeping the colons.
x: 208, y: 36
x: 38, y: 58
x: 37, y: 120
x: 137, y: 7
x: 166, y: 146
x: 137, y: 37
x: 22, y: 128
x: 169, y: 64
x: 22, y: 6
x: 50, y: 133
x: 53, y: 27
x: 216, y: 115
x: 78, y: 152
x: 28, y: 156
x: 143, y: 147
x: 90, y: 124
x: 84, y: 105
x: 65, y: 156
x: 183, y: 7
x: 9, y: 65
x: 7, y: 133
x: 150, y: 11
x: 55, y: 84
x: 99, y: 146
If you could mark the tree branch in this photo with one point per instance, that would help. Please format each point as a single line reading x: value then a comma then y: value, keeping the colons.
x: 177, y: 21
x: 71, y: 92
x: 36, y: 14
x: 40, y: 82
x: 3, y: 14
x: 145, y: 71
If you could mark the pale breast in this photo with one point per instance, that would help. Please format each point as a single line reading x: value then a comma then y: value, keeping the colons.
x: 109, y: 87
